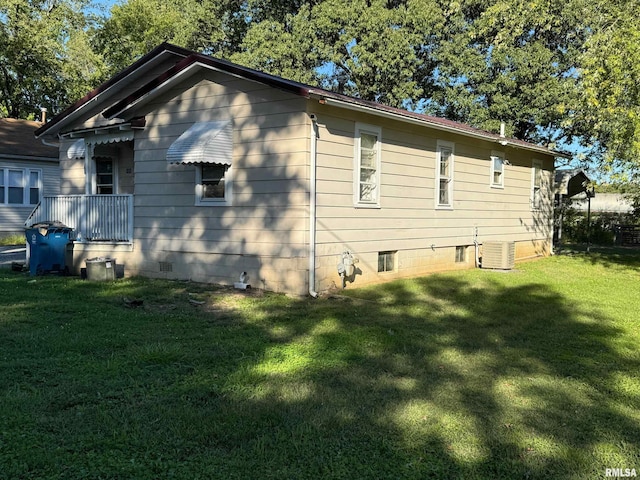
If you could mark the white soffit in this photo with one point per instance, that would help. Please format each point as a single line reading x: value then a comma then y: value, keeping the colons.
x: 204, y: 142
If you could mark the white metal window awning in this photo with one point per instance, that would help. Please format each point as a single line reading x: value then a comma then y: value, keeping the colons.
x: 77, y: 149
x: 110, y: 137
x: 204, y: 142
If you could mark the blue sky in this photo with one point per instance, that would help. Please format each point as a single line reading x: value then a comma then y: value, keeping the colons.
x: 102, y: 6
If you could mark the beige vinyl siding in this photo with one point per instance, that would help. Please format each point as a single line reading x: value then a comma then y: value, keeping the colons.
x: 126, y: 167
x: 267, y: 222
x: 408, y: 221
x: 72, y: 171
x: 265, y: 231
x: 12, y: 217
x: 72, y: 175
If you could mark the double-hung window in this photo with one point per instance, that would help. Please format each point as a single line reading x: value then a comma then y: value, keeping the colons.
x: 497, y: 169
x: 367, y: 166
x: 105, y: 176
x: 20, y: 186
x: 444, y: 174
x: 210, y: 180
x: 536, y: 185
x: 35, y: 187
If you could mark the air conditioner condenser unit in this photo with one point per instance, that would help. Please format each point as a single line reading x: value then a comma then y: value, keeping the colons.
x: 499, y: 255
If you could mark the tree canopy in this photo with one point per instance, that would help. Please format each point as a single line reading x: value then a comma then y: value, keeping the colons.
x: 562, y: 73
x: 45, y: 56
x: 609, y: 118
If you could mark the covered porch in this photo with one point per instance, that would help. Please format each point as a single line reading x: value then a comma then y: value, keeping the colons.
x: 97, y: 185
x: 94, y: 218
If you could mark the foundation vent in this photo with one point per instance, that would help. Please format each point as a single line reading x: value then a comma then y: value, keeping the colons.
x: 499, y: 255
x: 166, y: 267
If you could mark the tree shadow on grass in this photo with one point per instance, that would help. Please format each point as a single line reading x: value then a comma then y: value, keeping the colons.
x: 606, y: 256
x: 438, y: 377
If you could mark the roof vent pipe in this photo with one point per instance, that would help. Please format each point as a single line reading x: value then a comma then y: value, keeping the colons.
x: 43, y: 116
x: 502, y: 127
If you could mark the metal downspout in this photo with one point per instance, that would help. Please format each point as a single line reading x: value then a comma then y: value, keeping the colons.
x: 312, y: 206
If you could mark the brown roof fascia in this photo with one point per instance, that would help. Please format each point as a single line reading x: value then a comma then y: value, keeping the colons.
x: 109, y: 83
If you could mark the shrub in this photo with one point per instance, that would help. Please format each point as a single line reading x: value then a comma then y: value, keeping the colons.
x: 602, y: 226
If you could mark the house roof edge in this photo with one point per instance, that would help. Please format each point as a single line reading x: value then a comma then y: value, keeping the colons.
x: 192, y: 59
x: 96, y: 92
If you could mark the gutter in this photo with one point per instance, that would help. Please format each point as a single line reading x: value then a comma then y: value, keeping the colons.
x: 31, y: 158
x: 49, y: 144
x: 312, y: 206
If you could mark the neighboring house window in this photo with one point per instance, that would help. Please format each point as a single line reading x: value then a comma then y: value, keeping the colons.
x: 367, y: 165
x: 213, y: 184
x: 34, y: 187
x: 536, y: 185
x: 444, y: 174
x: 386, y: 261
x: 20, y: 186
x: 16, y: 187
x: 497, y: 169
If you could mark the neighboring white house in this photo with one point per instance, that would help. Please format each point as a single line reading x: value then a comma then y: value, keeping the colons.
x: 603, y: 203
x: 28, y: 170
x: 187, y: 166
x: 572, y: 185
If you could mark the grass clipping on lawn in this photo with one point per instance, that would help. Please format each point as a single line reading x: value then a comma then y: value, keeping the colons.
x: 472, y: 374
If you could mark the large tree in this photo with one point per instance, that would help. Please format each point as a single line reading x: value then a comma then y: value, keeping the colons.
x: 45, y: 59
x: 553, y: 71
x: 137, y: 26
x: 512, y: 61
x: 476, y: 61
x: 609, y: 118
x: 372, y: 49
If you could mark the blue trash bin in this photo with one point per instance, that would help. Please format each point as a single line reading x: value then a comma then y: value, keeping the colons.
x: 48, y: 244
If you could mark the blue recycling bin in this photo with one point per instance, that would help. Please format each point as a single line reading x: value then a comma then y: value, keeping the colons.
x: 48, y: 244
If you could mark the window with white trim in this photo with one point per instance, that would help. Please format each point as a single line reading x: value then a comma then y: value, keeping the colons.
x: 208, y: 146
x: 386, y: 261
x: 213, y: 184
x: 497, y: 169
x: 536, y: 185
x: 367, y: 165
x: 20, y: 186
x: 444, y: 174
x: 105, y: 177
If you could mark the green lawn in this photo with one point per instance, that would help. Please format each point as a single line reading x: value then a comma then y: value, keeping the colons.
x: 533, y: 373
x: 12, y: 240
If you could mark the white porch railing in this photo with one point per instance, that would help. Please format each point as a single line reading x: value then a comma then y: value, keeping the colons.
x: 94, y: 218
